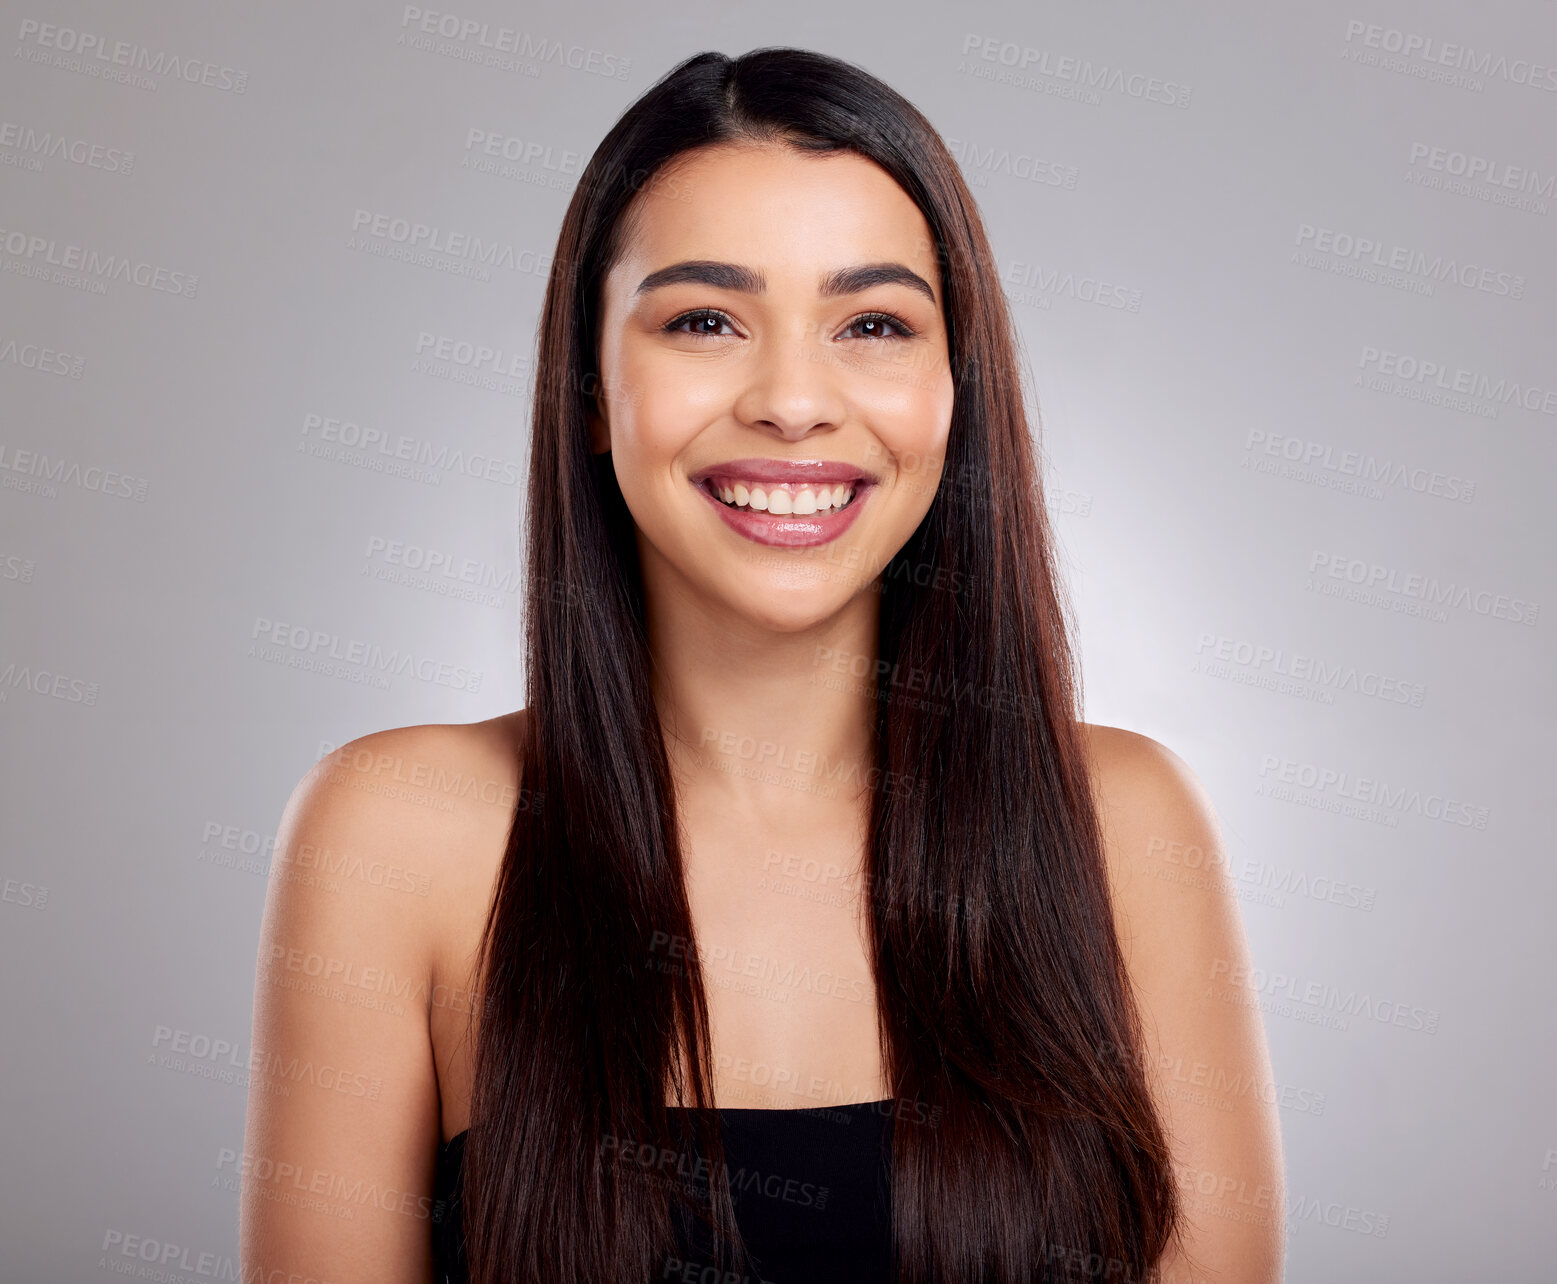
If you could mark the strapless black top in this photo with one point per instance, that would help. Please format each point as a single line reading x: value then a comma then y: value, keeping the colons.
x: 811, y: 1188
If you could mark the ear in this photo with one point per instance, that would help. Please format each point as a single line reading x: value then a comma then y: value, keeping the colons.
x: 599, y: 429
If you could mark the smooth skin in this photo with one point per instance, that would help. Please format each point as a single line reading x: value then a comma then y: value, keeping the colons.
x: 744, y: 639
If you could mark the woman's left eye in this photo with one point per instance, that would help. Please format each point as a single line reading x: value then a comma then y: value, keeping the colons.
x: 880, y: 320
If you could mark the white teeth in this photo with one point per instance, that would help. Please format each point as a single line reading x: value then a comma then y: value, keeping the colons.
x: 782, y: 500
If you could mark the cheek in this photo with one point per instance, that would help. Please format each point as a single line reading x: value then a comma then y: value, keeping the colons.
x: 660, y: 408
x: 648, y: 421
x: 913, y: 423
x: 912, y: 402
x: 649, y: 433
x: 654, y: 431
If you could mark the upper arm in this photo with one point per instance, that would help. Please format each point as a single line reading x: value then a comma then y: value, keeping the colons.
x: 343, y: 1113
x: 1207, y: 1062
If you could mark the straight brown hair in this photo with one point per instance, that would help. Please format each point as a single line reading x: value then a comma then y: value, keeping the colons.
x: 1003, y: 997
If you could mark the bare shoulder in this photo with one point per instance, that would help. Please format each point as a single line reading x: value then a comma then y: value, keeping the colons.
x: 1150, y: 802
x: 1180, y: 927
x: 422, y: 811
x: 429, y: 790
x: 1132, y: 769
x: 382, y: 850
x: 1179, y: 921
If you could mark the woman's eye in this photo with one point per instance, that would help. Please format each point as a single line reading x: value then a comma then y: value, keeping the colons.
x: 880, y: 325
x: 701, y: 322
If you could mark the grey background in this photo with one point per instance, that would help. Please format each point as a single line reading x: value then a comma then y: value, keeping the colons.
x: 1182, y: 353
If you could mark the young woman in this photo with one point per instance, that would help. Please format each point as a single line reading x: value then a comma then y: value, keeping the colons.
x: 797, y: 929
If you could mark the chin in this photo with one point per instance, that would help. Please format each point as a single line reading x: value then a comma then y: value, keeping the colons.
x: 785, y: 607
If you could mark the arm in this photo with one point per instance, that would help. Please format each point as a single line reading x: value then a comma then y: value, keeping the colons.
x: 343, y: 1108
x: 1177, y: 915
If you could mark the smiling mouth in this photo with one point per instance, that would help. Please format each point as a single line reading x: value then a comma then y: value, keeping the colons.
x: 782, y: 499
x: 786, y: 503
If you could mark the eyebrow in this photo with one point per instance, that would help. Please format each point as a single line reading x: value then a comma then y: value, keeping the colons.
x: 732, y: 276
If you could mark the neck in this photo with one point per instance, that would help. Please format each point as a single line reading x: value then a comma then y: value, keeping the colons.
x: 746, y: 708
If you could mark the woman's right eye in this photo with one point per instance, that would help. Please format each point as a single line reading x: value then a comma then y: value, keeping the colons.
x: 703, y: 321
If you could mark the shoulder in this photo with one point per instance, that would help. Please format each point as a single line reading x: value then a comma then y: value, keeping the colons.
x: 399, y: 828
x: 1174, y: 906
x: 421, y: 790
x: 1180, y: 929
x: 385, y: 850
x: 1132, y: 771
x: 1153, y: 810
x: 457, y: 769
x: 384, y: 840
x: 437, y: 758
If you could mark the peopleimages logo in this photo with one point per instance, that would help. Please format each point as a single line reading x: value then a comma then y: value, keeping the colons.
x: 45, y: 682
x: 1428, y: 590
x: 163, y: 1257
x: 302, y: 647
x: 1425, y: 372
x: 486, y: 43
x: 471, y: 355
x: 346, y: 441
x: 370, y: 227
x: 95, y: 54
x: 77, y: 151
x: 34, y: 472
x: 1082, y: 72
x: 45, y: 360
x: 1363, y: 251
x: 491, y: 143
x: 993, y: 159
x: 1348, y: 469
x: 1525, y: 179
x: 1443, y: 53
x: 437, y: 563
x: 1309, y: 669
x: 33, y: 255
x: 1036, y: 283
x: 1324, y: 781
x: 1279, y: 986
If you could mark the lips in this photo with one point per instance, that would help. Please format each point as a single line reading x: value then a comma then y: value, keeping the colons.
x: 828, y: 495
x: 796, y: 471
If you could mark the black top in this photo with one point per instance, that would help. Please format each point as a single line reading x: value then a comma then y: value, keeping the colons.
x: 811, y: 1188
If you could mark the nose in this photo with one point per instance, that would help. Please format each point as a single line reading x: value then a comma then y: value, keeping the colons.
x: 792, y: 389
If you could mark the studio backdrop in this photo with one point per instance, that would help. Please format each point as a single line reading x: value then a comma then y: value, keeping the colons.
x: 1286, y: 284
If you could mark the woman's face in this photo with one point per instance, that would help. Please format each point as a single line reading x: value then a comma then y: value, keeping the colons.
x: 775, y: 383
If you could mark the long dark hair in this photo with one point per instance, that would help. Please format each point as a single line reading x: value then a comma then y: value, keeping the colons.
x: 1005, y: 1009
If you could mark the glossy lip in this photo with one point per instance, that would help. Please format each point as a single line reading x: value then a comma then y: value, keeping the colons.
x: 828, y: 471
x: 788, y: 530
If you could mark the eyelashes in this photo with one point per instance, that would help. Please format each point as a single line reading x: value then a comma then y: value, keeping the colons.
x: 905, y: 331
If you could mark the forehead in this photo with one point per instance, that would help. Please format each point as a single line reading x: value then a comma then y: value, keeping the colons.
x: 774, y: 208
